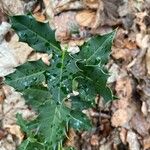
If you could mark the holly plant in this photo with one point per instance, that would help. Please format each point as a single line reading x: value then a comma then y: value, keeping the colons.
x: 58, y: 92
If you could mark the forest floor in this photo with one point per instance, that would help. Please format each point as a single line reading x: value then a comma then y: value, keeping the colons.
x: 119, y: 125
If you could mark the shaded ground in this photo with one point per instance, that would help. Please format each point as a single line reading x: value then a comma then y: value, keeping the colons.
x: 119, y: 125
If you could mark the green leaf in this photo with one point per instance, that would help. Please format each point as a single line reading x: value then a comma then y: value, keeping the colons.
x: 36, y: 95
x: 53, y: 119
x: 29, y: 74
x: 22, y: 123
x: 33, y: 142
x: 68, y: 148
x: 38, y: 35
x: 93, y: 81
x: 79, y: 103
x: 27, y: 126
x: 24, y: 145
x: 60, y: 76
x: 28, y: 144
x: 79, y: 121
x: 97, y: 49
x: 46, y: 88
x: 92, y: 78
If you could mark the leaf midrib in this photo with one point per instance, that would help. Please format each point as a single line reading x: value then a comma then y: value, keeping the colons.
x: 53, y: 122
x: 26, y: 76
x: 99, y: 48
x: 61, y: 72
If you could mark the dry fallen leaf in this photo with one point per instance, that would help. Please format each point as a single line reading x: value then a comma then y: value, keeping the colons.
x: 93, y: 4
x: 2, y: 134
x: 86, y: 18
x: 7, y: 60
x: 123, y: 135
x: 64, y: 24
x: 13, y: 7
x: 66, y: 5
x: 4, y: 28
x: 146, y: 143
x: 139, y: 123
x: 2, y: 95
x: 114, y: 73
x: 20, y: 50
x: 13, y: 104
x: 148, y: 61
x: 8, y: 143
x: 39, y: 16
x: 124, y: 88
x: 121, y: 117
x: 73, y: 49
x: 144, y: 109
x: 49, y: 11
x: 94, y: 140
x: 139, y: 67
x: 44, y: 56
x: 123, y: 54
x: 16, y: 131
x: 71, y: 138
x: 106, y: 146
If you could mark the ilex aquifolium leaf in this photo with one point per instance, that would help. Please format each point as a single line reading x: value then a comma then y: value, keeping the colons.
x: 91, y: 84
x: 49, y: 89
x: 27, y: 75
x: 91, y: 60
x: 97, y: 49
x: 36, y: 95
x: 53, y: 119
x: 37, y: 34
x: 79, y: 121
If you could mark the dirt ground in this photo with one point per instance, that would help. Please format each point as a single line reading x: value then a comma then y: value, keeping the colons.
x: 123, y: 124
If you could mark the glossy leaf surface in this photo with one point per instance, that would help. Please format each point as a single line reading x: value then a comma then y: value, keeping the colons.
x: 37, y: 34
